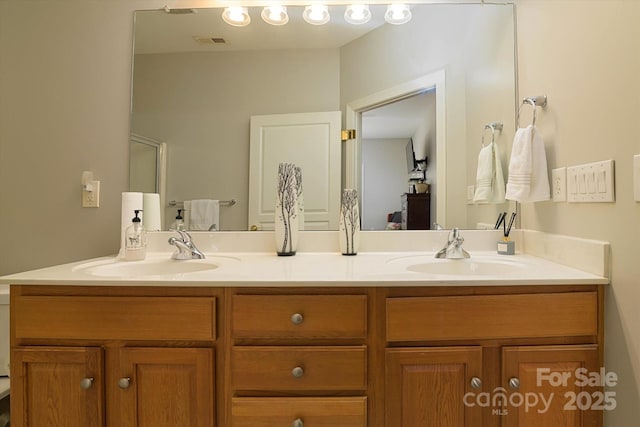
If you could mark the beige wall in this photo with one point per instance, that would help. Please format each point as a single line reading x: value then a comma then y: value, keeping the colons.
x: 64, y: 85
x: 585, y: 56
x: 65, y: 69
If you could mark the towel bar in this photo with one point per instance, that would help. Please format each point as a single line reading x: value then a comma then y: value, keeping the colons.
x: 494, y: 126
x: 173, y: 203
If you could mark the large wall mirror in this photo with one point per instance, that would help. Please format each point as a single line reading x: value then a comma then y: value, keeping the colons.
x: 434, y: 81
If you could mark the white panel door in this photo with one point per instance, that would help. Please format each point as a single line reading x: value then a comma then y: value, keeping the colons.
x: 311, y: 141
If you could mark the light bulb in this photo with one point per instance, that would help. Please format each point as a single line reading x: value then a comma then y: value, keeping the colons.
x: 397, y: 14
x: 357, y: 14
x: 275, y: 15
x: 316, y: 14
x: 236, y: 16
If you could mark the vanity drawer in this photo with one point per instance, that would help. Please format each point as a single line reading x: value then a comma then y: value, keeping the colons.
x: 116, y: 318
x: 492, y: 316
x: 311, y: 411
x: 299, y: 368
x: 299, y: 316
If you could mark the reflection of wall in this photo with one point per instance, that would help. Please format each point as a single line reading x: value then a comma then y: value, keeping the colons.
x: 424, y: 141
x: 422, y: 53
x: 490, y: 98
x: 188, y: 101
x: 384, y: 177
x: 142, y: 168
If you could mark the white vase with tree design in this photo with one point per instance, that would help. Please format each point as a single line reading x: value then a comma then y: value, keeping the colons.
x: 286, y: 210
x: 349, y: 230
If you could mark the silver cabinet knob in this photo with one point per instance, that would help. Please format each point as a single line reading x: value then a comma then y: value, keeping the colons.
x: 514, y: 383
x: 86, y: 383
x: 297, y: 372
x: 124, y: 382
x: 476, y: 382
x: 297, y: 423
x: 297, y: 318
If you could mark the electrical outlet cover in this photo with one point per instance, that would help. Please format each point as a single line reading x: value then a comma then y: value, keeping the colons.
x: 559, y: 184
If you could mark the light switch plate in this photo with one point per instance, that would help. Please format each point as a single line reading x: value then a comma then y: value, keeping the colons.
x: 636, y: 177
x: 591, y: 182
x: 559, y: 184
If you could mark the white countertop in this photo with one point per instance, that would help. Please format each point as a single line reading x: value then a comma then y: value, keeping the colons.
x: 484, y: 268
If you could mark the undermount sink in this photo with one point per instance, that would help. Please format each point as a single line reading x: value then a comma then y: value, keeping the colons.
x: 151, y: 267
x: 474, y: 266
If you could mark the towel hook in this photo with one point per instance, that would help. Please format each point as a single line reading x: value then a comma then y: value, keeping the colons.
x: 494, y: 126
x: 534, y: 101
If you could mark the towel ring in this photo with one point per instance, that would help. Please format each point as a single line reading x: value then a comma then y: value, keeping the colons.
x: 495, y: 126
x: 534, y: 101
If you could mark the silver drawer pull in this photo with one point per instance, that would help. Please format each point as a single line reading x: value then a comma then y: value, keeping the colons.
x: 476, y: 382
x: 297, y: 423
x: 514, y: 383
x: 124, y: 383
x: 297, y: 372
x: 297, y: 318
x: 86, y: 383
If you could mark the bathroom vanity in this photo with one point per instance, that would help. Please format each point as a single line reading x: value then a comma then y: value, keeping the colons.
x: 318, y: 339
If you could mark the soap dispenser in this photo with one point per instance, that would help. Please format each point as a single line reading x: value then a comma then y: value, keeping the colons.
x: 135, y: 248
x: 179, y: 222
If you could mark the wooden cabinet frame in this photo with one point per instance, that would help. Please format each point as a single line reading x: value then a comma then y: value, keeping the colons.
x: 368, y: 328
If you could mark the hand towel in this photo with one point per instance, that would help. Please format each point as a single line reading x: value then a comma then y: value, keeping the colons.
x: 203, y: 215
x: 489, y: 177
x: 528, y: 176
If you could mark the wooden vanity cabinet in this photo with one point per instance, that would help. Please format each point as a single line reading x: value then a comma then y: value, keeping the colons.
x: 449, y: 350
x: 120, y: 357
x: 303, y: 356
x: 299, y: 358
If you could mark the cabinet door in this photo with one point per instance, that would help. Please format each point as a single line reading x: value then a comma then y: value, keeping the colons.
x: 57, y: 387
x: 546, y: 387
x: 427, y: 387
x: 165, y: 387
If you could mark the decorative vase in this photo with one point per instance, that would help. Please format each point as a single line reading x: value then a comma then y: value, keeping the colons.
x: 300, y: 197
x: 286, y: 211
x: 349, y: 230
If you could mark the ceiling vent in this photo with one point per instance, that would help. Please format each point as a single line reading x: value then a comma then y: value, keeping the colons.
x: 179, y: 11
x: 209, y: 40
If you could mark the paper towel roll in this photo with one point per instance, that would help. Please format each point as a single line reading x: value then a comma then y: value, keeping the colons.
x: 130, y: 202
x: 151, y: 211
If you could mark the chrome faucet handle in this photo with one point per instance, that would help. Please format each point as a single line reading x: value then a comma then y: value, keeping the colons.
x: 186, y: 237
x: 186, y: 249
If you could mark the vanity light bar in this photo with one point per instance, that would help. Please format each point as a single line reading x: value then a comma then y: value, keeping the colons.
x: 317, y: 14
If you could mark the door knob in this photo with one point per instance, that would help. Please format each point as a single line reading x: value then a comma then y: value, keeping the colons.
x: 514, y: 383
x: 297, y: 318
x: 297, y: 372
x: 476, y: 382
x: 86, y: 383
x: 124, y: 383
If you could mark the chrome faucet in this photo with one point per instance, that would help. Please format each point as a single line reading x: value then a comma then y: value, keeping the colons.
x: 186, y: 249
x: 453, y: 249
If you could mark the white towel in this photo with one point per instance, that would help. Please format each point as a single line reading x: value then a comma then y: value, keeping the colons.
x: 528, y: 176
x: 202, y: 215
x: 489, y: 177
